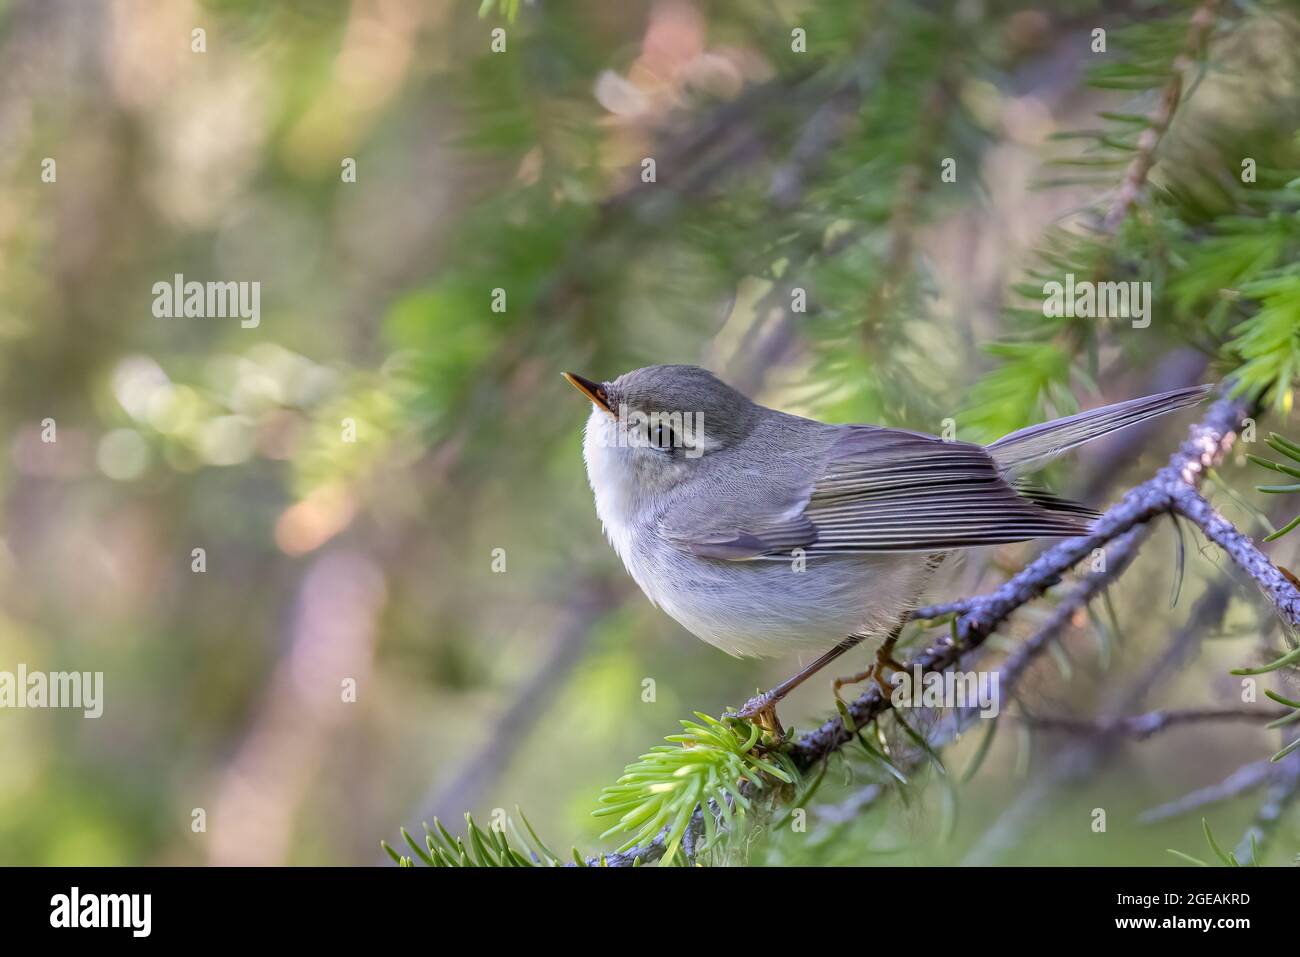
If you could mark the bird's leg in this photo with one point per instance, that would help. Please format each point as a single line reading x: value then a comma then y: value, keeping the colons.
x: 762, y: 708
x: 884, y: 659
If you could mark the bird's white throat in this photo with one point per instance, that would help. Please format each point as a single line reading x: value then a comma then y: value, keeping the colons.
x: 613, y: 477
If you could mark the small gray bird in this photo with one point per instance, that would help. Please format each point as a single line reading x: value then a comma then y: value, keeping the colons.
x: 765, y: 533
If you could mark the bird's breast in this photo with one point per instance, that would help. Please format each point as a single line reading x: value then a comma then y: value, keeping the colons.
x: 767, y: 607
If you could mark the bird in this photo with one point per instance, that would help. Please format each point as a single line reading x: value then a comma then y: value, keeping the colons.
x: 765, y: 533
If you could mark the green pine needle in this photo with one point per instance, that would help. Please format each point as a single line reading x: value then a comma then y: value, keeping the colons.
x: 1283, y: 446
x: 481, y: 847
x: 710, y: 766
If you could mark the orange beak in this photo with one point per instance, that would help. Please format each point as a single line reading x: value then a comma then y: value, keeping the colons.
x: 592, y: 390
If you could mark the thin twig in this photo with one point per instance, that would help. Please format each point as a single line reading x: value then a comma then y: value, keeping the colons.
x: 1283, y: 792
x: 1142, y: 726
x: 1246, y: 778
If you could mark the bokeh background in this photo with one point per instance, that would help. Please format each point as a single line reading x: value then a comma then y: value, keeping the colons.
x: 373, y: 560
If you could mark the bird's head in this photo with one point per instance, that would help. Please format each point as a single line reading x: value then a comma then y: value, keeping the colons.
x: 653, y: 427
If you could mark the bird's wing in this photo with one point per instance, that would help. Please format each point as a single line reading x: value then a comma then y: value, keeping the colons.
x: 886, y: 490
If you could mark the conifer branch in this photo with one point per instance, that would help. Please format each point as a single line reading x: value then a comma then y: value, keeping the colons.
x: 1080, y: 759
x: 913, y: 183
x: 1119, y: 527
x: 1130, y: 190
x: 1119, y: 555
x: 1283, y: 792
x: 1276, y: 586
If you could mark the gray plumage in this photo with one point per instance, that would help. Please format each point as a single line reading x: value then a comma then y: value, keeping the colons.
x: 765, y: 533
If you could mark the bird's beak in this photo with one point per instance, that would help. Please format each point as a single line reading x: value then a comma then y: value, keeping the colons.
x: 592, y: 390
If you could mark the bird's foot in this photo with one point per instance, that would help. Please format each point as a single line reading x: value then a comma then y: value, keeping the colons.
x: 873, y: 672
x: 761, y: 710
x: 884, y: 660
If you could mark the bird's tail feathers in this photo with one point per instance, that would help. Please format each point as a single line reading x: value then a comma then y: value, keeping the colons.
x: 1033, y: 447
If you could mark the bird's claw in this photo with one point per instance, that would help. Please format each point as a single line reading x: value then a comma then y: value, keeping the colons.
x: 761, y: 710
x: 884, y: 660
x: 874, y: 673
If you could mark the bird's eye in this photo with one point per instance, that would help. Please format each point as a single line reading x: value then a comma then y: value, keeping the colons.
x: 662, y: 438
